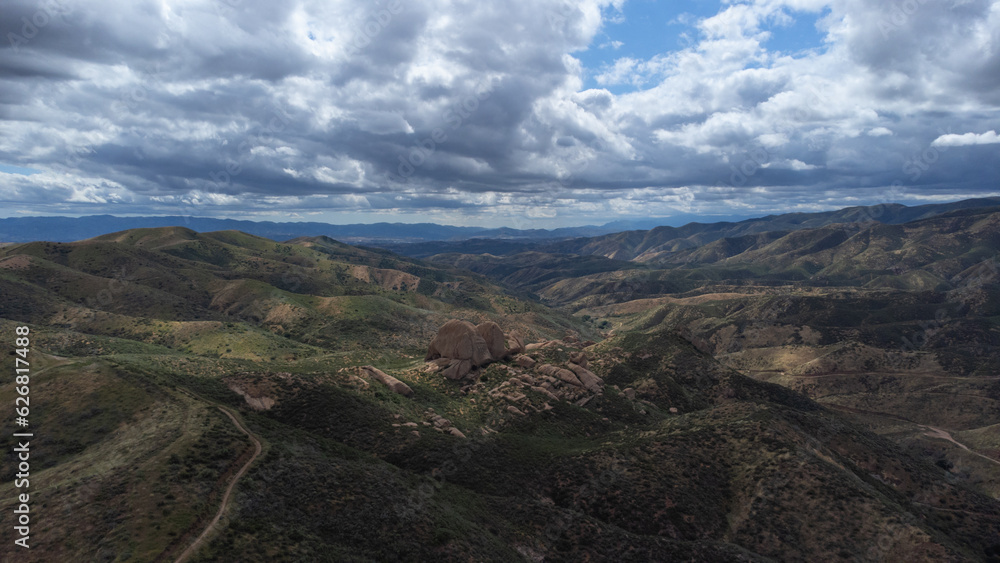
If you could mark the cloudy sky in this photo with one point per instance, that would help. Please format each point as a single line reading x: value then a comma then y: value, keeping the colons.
x: 539, y: 113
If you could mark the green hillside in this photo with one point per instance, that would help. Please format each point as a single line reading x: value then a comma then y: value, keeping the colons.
x: 145, y: 342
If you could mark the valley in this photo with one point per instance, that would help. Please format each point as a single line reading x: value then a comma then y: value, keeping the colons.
x: 823, y: 390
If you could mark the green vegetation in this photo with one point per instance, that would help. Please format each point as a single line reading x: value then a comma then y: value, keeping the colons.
x: 703, y: 444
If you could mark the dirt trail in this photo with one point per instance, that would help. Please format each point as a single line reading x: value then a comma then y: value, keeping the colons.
x: 938, y: 433
x: 911, y: 374
x: 225, y: 497
x: 929, y: 430
x: 956, y: 510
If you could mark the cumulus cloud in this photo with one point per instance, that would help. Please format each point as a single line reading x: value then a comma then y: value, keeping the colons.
x: 952, y: 140
x: 423, y: 108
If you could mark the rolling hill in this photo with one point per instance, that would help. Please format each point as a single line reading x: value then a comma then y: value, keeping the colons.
x: 700, y: 443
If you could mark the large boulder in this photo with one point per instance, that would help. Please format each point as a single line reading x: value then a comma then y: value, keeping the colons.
x: 492, y: 334
x: 391, y: 382
x: 589, y: 379
x: 561, y: 373
x: 459, y: 340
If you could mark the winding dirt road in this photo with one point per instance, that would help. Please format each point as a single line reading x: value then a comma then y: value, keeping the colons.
x: 225, y: 497
x: 938, y: 433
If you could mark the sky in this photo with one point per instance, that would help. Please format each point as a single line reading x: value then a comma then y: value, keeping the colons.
x: 527, y: 114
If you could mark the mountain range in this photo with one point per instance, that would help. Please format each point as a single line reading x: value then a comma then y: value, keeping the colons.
x: 805, y: 387
x: 68, y: 229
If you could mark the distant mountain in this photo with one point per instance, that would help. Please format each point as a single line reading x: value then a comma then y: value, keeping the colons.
x: 68, y: 229
x: 397, y: 235
x: 662, y: 241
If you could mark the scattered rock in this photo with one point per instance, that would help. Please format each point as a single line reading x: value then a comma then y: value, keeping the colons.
x: 514, y: 410
x: 579, y: 358
x: 457, y: 369
x: 583, y: 402
x: 410, y: 424
x: 456, y: 432
x: 357, y: 380
x: 415, y: 433
x: 589, y: 380
x: 559, y: 373
x: 533, y: 346
x: 674, y: 410
x: 526, y: 379
x: 546, y: 369
x: 438, y: 364
x: 545, y: 392
x: 629, y: 393
x: 569, y: 377
x: 525, y: 361
x: 391, y: 382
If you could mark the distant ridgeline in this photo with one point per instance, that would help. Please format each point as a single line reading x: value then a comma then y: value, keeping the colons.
x: 67, y: 229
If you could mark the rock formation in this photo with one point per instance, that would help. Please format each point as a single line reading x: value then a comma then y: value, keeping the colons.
x: 260, y: 403
x: 525, y: 361
x: 562, y: 373
x: 391, y: 382
x: 459, y: 340
x: 590, y: 380
x: 459, y: 347
x: 579, y: 358
x: 515, y: 343
x: 493, y: 335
